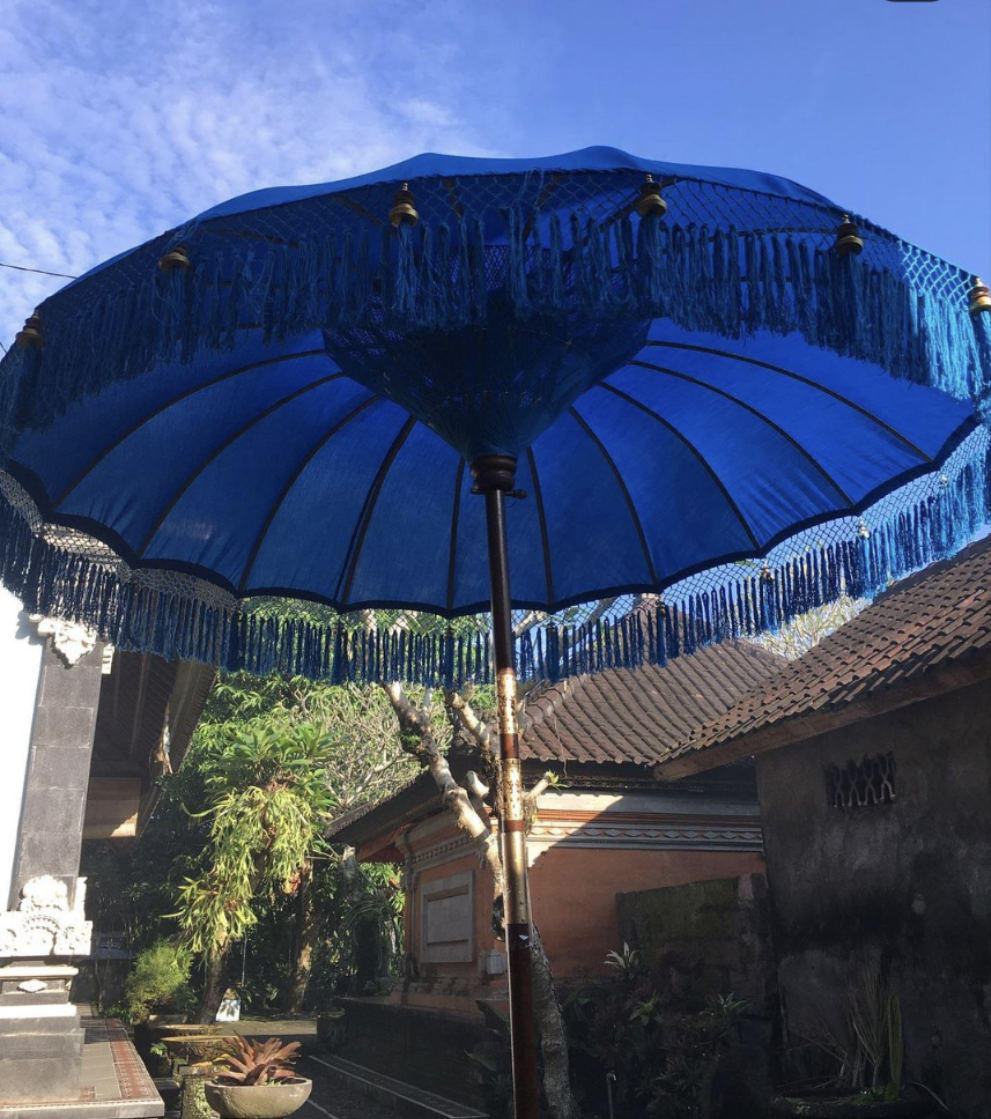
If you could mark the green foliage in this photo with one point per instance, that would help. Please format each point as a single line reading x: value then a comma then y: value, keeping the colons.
x: 362, y: 937
x: 276, y: 759
x: 869, y: 1048
x: 269, y: 798
x: 158, y: 983
x: 615, y: 1026
x: 663, y: 1061
x: 235, y: 845
x: 695, y: 1046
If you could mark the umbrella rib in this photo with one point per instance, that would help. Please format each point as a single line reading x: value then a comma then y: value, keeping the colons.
x: 455, y: 517
x: 754, y: 411
x: 542, y: 517
x: 366, y: 514
x: 622, y: 485
x: 219, y: 450
x: 294, y: 478
x: 695, y: 451
x: 804, y: 380
x: 175, y: 400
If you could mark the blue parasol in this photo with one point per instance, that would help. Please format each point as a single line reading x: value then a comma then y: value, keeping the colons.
x: 710, y: 395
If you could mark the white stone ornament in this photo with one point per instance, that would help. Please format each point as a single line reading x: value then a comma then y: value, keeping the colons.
x: 44, y: 892
x: 44, y: 925
x: 70, y: 640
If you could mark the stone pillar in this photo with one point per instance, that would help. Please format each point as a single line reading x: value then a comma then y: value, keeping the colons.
x: 51, y: 828
x: 21, y: 652
x: 40, y: 1035
x: 41, y: 1040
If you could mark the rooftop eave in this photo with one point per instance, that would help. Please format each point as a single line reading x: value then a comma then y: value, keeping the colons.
x: 787, y: 732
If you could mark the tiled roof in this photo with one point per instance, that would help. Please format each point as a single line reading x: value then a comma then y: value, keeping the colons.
x: 640, y: 716
x: 617, y: 716
x: 930, y: 633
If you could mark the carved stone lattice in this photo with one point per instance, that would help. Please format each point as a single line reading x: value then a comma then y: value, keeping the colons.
x: 866, y: 783
x: 43, y: 923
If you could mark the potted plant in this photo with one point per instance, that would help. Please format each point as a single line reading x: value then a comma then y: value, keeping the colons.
x: 869, y: 1051
x: 256, y: 1081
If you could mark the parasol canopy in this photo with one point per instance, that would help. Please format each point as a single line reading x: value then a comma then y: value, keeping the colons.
x: 710, y: 389
x: 281, y: 397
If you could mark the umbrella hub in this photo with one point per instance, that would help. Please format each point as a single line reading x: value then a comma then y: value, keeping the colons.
x: 491, y: 388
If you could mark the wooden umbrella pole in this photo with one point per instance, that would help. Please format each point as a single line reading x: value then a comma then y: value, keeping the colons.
x: 495, y: 476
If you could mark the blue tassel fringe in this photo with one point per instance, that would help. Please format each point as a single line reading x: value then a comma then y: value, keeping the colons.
x: 55, y: 582
x: 124, y: 320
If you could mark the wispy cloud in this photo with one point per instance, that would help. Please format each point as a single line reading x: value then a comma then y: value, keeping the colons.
x: 122, y: 120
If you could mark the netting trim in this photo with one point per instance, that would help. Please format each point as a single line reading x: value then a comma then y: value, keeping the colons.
x: 509, y: 248
x: 180, y: 617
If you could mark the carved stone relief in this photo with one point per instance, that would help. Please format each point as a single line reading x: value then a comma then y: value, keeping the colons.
x: 69, y: 639
x: 43, y: 924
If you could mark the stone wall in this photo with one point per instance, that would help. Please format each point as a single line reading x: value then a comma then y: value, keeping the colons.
x: 904, y: 883
x: 706, y: 939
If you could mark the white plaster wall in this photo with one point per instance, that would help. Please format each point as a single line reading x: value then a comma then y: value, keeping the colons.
x: 21, y: 651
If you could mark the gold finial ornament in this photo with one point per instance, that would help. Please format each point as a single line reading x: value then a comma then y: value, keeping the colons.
x: 30, y: 336
x: 650, y: 203
x: 403, y: 211
x: 980, y: 297
x: 848, y: 239
x: 176, y: 259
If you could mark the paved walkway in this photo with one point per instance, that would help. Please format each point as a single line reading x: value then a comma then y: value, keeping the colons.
x: 115, y: 1083
x: 344, y: 1090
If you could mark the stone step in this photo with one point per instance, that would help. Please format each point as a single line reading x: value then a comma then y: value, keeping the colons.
x: 407, y: 1099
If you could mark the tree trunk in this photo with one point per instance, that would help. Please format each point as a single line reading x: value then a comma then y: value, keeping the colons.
x: 214, y: 985
x: 303, y: 944
x: 553, y: 1036
x: 466, y: 804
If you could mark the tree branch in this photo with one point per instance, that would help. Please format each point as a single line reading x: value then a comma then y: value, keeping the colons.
x: 418, y: 739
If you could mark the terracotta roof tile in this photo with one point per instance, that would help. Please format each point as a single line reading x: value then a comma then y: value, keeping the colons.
x: 935, y: 617
x: 640, y: 716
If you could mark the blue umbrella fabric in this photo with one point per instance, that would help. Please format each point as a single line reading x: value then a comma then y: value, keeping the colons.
x: 709, y: 405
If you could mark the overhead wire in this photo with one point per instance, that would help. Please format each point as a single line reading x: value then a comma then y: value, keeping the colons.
x: 38, y: 271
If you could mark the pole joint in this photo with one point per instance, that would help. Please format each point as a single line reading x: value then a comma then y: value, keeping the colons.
x: 493, y: 472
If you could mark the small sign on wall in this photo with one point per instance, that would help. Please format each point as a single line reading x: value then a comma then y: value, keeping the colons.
x: 448, y: 919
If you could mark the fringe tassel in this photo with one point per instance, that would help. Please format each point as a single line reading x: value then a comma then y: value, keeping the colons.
x: 136, y: 618
x: 117, y: 325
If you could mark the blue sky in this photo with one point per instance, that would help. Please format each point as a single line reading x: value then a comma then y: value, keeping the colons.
x: 120, y: 118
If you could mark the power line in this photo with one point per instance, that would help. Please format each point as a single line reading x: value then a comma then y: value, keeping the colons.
x: 39, y: 271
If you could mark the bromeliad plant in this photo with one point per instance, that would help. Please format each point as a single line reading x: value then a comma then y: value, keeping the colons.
x: 256, y: 1062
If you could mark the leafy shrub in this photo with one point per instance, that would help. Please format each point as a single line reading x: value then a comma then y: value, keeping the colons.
x: 158, y: 983
x: 662, y: 1062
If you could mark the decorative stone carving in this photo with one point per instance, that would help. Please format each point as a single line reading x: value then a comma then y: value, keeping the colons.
x: 44, y: 925
x: 45, y: 892
x: 32, y: 986
x: 70, y: 640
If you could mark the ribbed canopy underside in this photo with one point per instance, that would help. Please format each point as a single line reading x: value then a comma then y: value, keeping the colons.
x: 284, y: 477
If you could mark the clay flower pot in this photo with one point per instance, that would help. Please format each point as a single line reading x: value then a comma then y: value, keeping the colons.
x: 258, y: 1101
